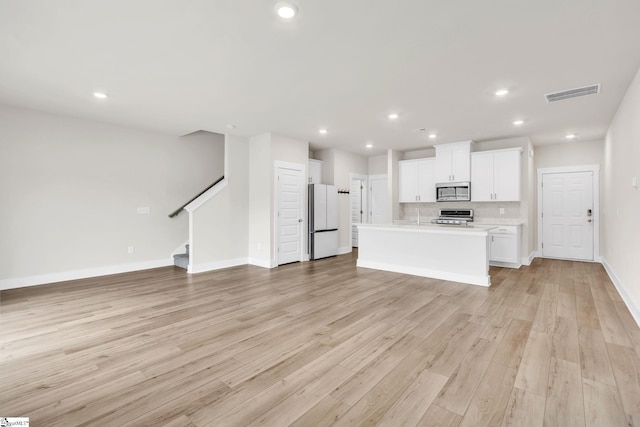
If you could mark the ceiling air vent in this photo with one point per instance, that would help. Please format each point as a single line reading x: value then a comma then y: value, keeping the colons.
x: 572, y: 93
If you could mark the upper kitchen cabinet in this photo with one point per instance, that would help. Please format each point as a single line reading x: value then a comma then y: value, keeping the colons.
x: 453, y: 163
x: 417, y: 181
x: 315, y: 171
x: 495, y: 175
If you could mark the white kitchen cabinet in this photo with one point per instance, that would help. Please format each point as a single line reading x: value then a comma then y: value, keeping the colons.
x: 416, y: 180
x: 495, y: 175
x: 504, y: 246
x: 453, y: 163
x: 315, y: 171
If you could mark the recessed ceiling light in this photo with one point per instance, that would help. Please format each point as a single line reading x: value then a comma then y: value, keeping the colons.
x: 393, y: 116
x: 518, y: 122
x: 570, y: 137
x: 502, y: 92
x: 433, y: 135
x: 286, y: 10
x: 322, y: 131
x: 100, y: 95
x: 369, y: 145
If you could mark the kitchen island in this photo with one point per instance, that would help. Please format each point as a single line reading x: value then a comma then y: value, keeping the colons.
x: 455, y: 253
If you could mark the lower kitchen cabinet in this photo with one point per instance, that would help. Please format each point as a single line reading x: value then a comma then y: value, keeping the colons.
x: 504, y: 246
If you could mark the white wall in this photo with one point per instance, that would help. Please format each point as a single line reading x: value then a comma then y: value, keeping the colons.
x: 264, y: 151
x: 70, y: 189
x: 219, y: 236
x: 393, y: 157
x: 532, y: 230
x: 577, y: 153
x: 290, y: 150
x: 621, y: 228
x: 377, y: 165
x: 260, y: 176
x: 328, y: 158
x: 337, y: 167
x: 419, y: 154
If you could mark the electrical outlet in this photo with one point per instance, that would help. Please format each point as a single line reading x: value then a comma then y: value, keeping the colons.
x: 144, y: 210
x: 501, y: 211
x: 129, y: 250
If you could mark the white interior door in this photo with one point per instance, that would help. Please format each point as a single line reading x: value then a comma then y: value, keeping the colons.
x: 289, y: 219
x: 567, y: 215
x: 379, y: 200
x: 358, y: 207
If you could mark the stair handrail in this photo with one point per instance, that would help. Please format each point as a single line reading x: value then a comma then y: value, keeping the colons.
x: 177, y: 211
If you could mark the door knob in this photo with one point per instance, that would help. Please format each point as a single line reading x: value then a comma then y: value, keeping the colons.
x: 589, y: 220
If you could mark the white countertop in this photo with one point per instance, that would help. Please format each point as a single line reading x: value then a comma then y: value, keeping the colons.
x: 499, y: 221
x: 478, y: 221
x: 482, y: 229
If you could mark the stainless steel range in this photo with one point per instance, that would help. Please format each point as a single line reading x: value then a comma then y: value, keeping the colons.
x: 454, y: 217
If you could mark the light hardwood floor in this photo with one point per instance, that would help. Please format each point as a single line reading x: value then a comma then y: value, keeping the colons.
x: 322, y: 343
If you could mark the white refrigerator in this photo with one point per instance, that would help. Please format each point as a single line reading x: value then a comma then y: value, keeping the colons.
x: 323, y: 221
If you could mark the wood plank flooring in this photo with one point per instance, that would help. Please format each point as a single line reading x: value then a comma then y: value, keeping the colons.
x: 322, y: 343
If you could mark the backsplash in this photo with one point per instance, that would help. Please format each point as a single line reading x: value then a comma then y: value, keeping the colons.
x: 486, y: 210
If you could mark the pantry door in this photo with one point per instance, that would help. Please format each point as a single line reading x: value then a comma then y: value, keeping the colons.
x: 379, y: 212
x: 289, y: 213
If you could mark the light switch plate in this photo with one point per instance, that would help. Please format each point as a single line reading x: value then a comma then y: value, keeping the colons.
x: 634, y: 182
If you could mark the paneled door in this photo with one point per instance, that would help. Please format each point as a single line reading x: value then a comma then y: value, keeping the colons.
x: 289, y: 220
x: 379, y: 200
x: 567, y: 215
x: 358, y: 197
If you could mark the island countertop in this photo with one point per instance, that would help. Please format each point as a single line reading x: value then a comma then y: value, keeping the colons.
x: 481, y: 229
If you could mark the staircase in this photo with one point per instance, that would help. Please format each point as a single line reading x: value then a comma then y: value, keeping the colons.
x: 182, y: 260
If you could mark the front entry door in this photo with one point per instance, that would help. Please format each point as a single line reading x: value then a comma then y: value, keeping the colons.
x: 290, y: 195
x: 567, y: 215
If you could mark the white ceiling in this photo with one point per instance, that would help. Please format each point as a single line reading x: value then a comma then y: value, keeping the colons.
x: 180, y: 66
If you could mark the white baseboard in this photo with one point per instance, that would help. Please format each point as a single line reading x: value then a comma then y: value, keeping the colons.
x: 528, y: 260
x: 505, y: 264
x: 345, y: 250
x: 633, y: 309
x: 425, y: 272
x: 216, y: 265
x: 260, y: 262
x: 42, y: 279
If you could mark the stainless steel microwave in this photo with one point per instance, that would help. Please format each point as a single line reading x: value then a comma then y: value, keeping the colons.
x: 453, y: 192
